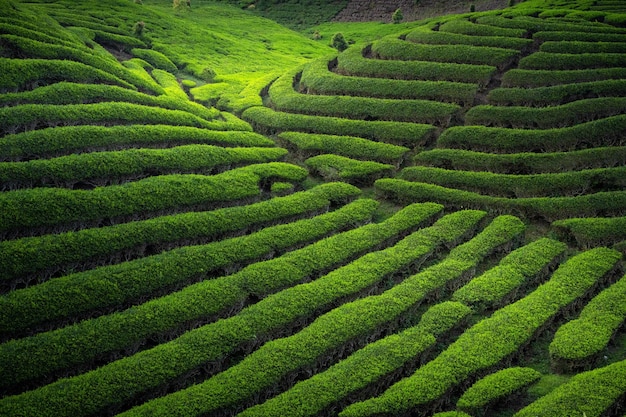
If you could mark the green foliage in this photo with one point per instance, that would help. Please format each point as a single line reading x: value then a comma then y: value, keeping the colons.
x: 590, y: 393
x: 495, y: 386
x: 397, y: 16
x: 556, y: 95
x: 155, y: 58
x: 540, y: 78
x: 440, y: 37
x: 50, y: 206
x: 317, y: 79
x: 514, y: 273
x: 395, y: 49
x: 465, y: 27
x: 399, y: 133
x: 603, y: 132
x: 308, y: 144
x: 335, y: 167
x: 595, y: 231
x: 521, y: 117
x: 525, y: 162
x: 352, y: 62
x: 562, y: 61
x: 578, y: 342
x: 339, y: 42
x: 520, y: 186
x: 284, y: 98
x: 548, y: 208
x: 493, y: 339
x: 64, y: 140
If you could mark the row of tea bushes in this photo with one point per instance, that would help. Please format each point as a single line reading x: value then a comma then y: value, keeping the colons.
x: 594, y: 231
x: 29, y: 257
x: 443, y: 37
x: 340, y: 168
x: 51, y: 142
x: 526, y: 78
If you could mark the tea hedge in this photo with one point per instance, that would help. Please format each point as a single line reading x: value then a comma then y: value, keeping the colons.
x: 493, y: 339
x: 352, y: 62
x: 269, y: 121
x: 317, y: 79
x: 27, y: 256
x: 519, y: 186
x: 72, y: 93
x: 578, y: 342
x: 579, y: 47
x: 309, y: 144
x: 514, y: 273
x: 591, y: 393
x: 24, y: 74
x: 155, y: 58
x: 578, y: 36
x: 140, y: 68
x: 521, y: 117
x: 537, y: 25
x: 526, y: 162
x: 328, y: 332
x: 466, y: 27
x: 396, y: 49
x: 22, y: 209
x: 611, y: 203
x: 110, y: 333
x: 35, y: 49
x: 554, y: 61
x: 542, y: 78
x: 555, y: 95
x: 427, y: 36
x: 151, y: 368
x: 335, y: 167
x: 284, y: 98
x: 496, y: 386
x: 603, y: 132
x: 171, y: 85
x: 52, y: 142
x: 595, y: 231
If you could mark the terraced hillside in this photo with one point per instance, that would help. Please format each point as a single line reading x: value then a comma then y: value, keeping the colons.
x: 428, y: 224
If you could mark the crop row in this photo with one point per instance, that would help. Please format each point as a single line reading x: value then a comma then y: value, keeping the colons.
x: 317, y: 79
x: 71, y: 93
x: 595, y: 231
x: 152, y: 368
x: 520, y: 186
x: 27, y: 117
x: 555, y: 95
x: 466, y: 27
x: 603, y: 132
x: 334, y: 167
x: 425, y: 35
x: 578, y: 342
x: 384, y: 358
x: 607, y: 203
x: 170, y: 85
x: 396, y: 49
x: 284, y: 98
x: 25, y: 74
x: 478, y: 397
x: 493, y: 340
x: 116, y: 285
x: 35, y: 49
x: 537, y: 25
x: 353, y: 62
x: 120, y: 166
x: 57, y: 141
x: 22, y: 258
x: 123, y: 329
x: 155, y: 58
x: 521, y: 117
x: 579, y: 36
x: 554, y: 61
x: 543, y: 78
x: 578, y: 47
x: 309, y: 144
x: 269, y: 121
x: 523, y: 163
x: 328, y: 333
x: 593, y: 393
x: 140, y: 69
x: 37, y: 207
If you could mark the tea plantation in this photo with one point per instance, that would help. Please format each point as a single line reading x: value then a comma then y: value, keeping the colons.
x: 206, y: 213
